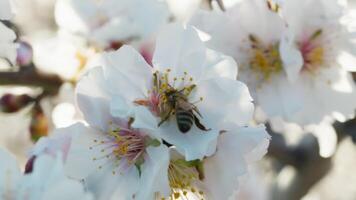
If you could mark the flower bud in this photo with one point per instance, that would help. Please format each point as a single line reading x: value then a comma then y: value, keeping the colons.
x: 39, y: 124
x: 24, y: 54
x: 10, y: 103
x: 29, y: 165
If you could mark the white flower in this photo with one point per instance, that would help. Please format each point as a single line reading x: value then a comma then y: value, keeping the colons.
x: 290, y: 63
x: 216, y: 177
x: 200, y: 78
x: 111, y: 153
x: 61, y: 53
x: 46, y: 181
x: 7, y: 36
x: 110, y: 21
x: 6, y: 12
x: 324, y: 85
x: 7, y: 45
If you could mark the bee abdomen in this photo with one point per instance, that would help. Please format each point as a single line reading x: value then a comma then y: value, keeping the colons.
x: 185, y: 120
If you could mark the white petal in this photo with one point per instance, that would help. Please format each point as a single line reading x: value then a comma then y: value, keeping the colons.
x: 347, y: 60
x: 80, y: 161
x: 180, y: 50
x: 68, y: 190
x: 223, y: 170
x: 291, y: 57
x: 58, y: 141
x: 223, y: 100
x: 149, y: 15
x: 127, y: 73
x: 92, y: 99
x: 127, y: 187
x: 73, y: 15
x: 193, y: 145
x: 145, y: 120
x: 10, y: 173
x: 116, y: 29
x: 155, y: 173
x: 5, y: 10
x: 280, y: 97
x: 219, y: 65
x: 7, y: 47
x: 120, y: 107
x: 106, y: 186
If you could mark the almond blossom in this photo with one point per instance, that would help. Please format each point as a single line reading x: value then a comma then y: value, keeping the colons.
x: 110, y: 151
x: 111, y: 23
x: 200, y: 77
x: 290, y: 61
x: 46, y: 181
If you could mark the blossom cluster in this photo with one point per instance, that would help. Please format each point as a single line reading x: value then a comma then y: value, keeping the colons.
x: 171, y: 103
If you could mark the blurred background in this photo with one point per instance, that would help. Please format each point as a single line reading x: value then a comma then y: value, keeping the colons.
x: 37, y: 95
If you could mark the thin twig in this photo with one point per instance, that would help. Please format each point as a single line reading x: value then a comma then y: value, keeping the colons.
x: 30, y: 76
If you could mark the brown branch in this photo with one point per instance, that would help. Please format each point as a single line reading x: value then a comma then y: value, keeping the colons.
x: 30, y: 76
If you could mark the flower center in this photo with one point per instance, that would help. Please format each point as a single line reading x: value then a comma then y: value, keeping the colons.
x: 183, y: 176
x: 312, y: 51
x: 169, y: 97
x: 265, y: 60
x: 122, y: 147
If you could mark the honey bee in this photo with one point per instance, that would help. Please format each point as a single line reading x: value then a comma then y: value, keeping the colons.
x: 176, y: 103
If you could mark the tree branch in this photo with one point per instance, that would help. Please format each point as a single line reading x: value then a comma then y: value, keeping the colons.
x: 30, y: 76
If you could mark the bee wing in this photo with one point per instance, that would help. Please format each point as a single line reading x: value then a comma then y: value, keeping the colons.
x: 183, y: 104
x: 200, y: 125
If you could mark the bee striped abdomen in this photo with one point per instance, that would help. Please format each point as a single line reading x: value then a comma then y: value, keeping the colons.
x: 185, y: 120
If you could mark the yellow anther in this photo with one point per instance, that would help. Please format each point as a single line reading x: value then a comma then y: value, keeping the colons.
x: 176, y: 195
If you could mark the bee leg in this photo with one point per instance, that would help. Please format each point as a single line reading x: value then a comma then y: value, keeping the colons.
x: 165, y: 118
x: 197, y: 111
x: 200, y: 125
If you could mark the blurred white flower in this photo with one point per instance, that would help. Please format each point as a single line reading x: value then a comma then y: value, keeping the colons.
x: 110, y: 22
x: 7, y: 36
x: 292, y: 70
x: 7, y: 45
x: 6, y: 11
x: 46, y: 181
x: 324, y: 43
x: 61, y: 53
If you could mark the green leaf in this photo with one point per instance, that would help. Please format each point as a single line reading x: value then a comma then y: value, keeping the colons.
x: 152, y: 142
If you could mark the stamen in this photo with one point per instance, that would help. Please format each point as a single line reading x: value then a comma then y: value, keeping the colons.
x: 312, y: 52
x: 182, y: 178
x: 121, y: 144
